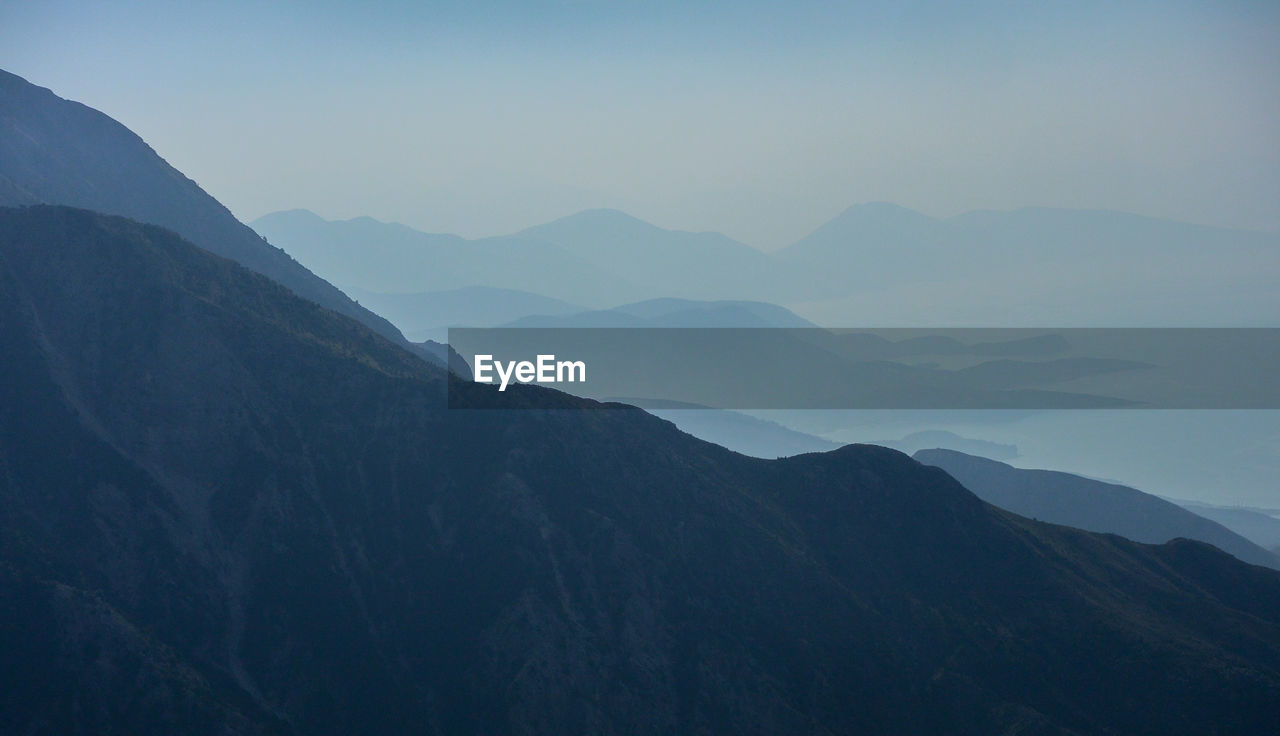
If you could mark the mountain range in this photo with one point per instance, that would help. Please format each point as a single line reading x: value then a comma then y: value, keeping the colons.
x: 55, y: 151
x: 229, y: 508
x: 874, y: 264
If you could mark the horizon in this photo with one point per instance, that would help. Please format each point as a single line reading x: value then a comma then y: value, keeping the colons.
x: 816, y: 227
x: 755, y: 120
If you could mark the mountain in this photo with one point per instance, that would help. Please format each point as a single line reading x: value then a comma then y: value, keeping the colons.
x: 56, y: 151
x: 672, y: 313
x: 368, y: 255
x: 669, y: 263
x: 1031, y: 267
x: 874, y: 264
x: 930, y: 439
x: 430, y: 313
x: 1257, y: 526
x: 1084, y: 503
x: 737, y: 431
x: 224, y: 509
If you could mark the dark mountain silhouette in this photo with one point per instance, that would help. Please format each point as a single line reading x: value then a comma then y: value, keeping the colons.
x: 56, y: 151
x: 224, y: 509
x: 1084, y: 503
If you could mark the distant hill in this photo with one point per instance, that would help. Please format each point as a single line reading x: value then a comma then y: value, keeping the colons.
x: 1032, y: 267
x: 429, y: 314
x: 737, y: 431
x: 1261, y: 528
x: 668, y: 263
x: 873, y: 264
x: 672, y: 313
x: 368, y: 255
x: 1063, y: 498
x: 930, y: 439
x: 55, y: 151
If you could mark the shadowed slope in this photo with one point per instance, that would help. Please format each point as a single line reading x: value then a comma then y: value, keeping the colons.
x: 278, y: 497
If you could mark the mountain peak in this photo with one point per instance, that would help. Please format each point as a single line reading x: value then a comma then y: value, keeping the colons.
x: 887, y: 212
x: 599, y: 218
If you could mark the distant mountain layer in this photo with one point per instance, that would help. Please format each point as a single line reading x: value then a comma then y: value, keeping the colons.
x: 1032, y: 267
x: 1262, y: 529
x: 667, y: 263
x: 55, y: 151
x: 429, y: 314
x: 672, y: 313
x: 372, y: 256
x: 874, y: 264
x: 742, y: 433
x: 942, y: 439
x: 226, y: 510
x: 1062, y: 498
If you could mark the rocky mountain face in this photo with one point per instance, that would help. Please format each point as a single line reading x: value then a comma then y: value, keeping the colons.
x: 224, y: 509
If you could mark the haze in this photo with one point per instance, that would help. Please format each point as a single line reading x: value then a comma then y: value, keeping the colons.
x: 760, y: 120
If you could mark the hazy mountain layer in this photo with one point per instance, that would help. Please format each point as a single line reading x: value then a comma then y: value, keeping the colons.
x: 1263, y: 529
x: 430, y: 314
x: 368, y: 255
x: 872, y: 265
x: 672, y: 313
x: 1084, y: 503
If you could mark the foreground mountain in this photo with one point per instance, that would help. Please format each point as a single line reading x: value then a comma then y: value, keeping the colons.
x: 1084, y: 503
x: 226, y: 510
x: 56, y: 151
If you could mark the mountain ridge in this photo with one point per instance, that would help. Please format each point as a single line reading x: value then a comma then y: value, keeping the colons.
x: 58, y: 151
x: 299, y: 518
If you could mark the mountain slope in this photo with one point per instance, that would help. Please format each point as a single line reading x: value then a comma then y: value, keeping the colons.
x: 278, y: 497
x: 1063, y: 498
x: 56, y: 151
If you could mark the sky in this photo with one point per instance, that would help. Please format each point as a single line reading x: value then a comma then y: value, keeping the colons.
x: 757, y: 119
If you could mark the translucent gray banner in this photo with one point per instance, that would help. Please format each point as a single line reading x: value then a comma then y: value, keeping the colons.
x: 815, y: 368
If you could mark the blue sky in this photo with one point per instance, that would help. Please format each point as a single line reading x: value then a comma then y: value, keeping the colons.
x: 758, y: 119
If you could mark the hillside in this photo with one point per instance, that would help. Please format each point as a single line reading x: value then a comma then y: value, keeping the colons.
x: 227, y: 510
x: 56, y: 151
